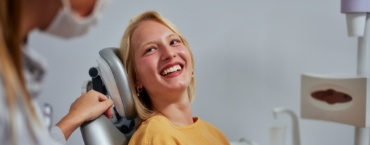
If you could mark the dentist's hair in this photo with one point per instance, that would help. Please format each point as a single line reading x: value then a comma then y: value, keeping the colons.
x: 143, y: 104
x: 11, y: 67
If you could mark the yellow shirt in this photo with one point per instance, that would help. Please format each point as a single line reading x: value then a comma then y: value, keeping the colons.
x: 158, y: 130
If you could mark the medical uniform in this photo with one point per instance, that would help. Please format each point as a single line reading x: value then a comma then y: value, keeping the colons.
x: 34, y: 70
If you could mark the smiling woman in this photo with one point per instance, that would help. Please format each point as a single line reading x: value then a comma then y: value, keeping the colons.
x: 160, y: 67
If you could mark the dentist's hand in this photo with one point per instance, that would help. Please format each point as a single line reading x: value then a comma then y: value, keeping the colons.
x: 91, y: 105
x: 85, y: 108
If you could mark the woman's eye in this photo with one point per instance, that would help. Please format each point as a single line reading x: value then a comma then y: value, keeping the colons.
x: 175, y: 41
x: 150, y: 49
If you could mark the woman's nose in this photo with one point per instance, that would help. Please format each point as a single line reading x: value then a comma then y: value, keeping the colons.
x: 167, y: 52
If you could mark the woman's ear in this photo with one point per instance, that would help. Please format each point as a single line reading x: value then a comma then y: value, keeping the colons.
x: 138, y: 83
x: 138, y: 87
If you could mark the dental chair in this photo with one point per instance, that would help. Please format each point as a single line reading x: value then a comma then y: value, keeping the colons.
x: 110, y: 78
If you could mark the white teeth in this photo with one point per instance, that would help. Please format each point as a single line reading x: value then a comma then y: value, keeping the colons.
x: 171, y: 69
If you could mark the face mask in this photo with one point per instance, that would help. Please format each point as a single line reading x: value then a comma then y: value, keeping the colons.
x: 68, y: 25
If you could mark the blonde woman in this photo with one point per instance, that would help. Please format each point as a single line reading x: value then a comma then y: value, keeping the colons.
x: 160, y: 67
x: 21, y: 70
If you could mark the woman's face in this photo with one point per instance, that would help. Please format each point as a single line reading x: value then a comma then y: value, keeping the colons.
x: 163, y: 63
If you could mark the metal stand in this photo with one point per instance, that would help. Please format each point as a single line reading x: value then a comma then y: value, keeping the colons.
x: 363, y: 69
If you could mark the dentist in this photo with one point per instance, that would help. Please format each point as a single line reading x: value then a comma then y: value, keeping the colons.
x: 21, y: 69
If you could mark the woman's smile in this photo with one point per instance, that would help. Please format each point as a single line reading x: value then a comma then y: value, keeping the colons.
x: 171, y: 69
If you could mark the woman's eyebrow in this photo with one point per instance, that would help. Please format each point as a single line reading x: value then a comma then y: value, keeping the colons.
x: 153, y: 41
x: 172, y: 34
x: 147, y: 43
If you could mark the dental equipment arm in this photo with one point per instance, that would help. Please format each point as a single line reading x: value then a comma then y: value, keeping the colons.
x: 296, y: 140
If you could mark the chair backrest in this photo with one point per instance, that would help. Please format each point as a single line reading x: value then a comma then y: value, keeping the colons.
x: 110, y: 78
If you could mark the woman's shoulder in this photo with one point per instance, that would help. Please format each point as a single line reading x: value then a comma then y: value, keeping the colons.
x: 155, y: 124
x: 155, y: 130
x: 211, y: 129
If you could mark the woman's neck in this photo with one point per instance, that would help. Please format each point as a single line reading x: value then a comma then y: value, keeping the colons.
x: 178, y: 112
x: 178, y: 115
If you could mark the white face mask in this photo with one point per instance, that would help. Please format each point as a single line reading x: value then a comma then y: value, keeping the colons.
x: 67, y: 24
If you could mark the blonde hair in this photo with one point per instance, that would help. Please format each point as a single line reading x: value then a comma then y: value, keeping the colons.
x: 11, y: 65
x: 143, y: 104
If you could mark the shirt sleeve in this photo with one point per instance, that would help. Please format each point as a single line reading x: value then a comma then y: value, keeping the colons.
x: 58, y: 135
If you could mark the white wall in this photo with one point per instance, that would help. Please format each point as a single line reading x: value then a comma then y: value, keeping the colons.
x: 249, y: 56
